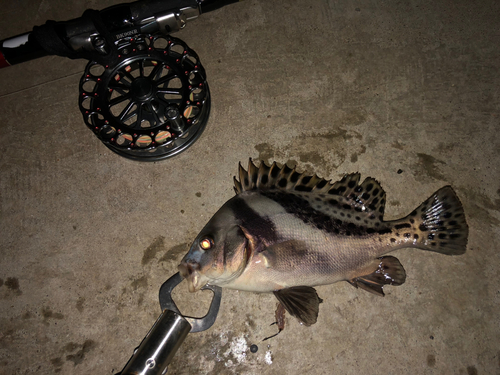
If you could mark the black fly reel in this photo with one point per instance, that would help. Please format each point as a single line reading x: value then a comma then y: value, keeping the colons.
x: 153, y: 104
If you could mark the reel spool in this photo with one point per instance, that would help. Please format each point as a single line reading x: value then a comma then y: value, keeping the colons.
x: 152, y: 104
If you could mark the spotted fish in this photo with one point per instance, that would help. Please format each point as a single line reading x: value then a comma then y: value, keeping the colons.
x: 285, y: 232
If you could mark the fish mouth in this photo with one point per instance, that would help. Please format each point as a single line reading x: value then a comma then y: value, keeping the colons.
x: 190, y: 272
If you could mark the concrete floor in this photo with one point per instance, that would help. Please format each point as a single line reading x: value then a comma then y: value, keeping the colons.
x: 88, y: 237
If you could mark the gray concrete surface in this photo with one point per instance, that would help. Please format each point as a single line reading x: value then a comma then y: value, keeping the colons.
x: 88, y: 237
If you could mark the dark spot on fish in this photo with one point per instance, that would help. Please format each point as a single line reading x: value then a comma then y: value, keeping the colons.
x: 264, y: 179
x: 282, y: 182
x: 407, y: 235
x: 303, y: 188
x: 342, y: 214
x: 342, y: 189
x: 369, y: 187
x: 365, y: 196
x: 358, y: 218
x: 401, y: 226
x: 370, y: 230
x: 381, y: 209
x: 375, y: 192
x: 294, y: 177
x: 333, y: 202
x: 347, y: 233
x: 453, y: 222
x: 377, y: 224
x: 346, y: 207
x: 454, y: 236
x: 385, y: 231
x: 412, y: 221
x: 393, y: 240
x: 422, y: 227
x: 423, y: 208
x: 321, y: 184
x: 246, y: 181
x: 442, y: 236
x: 358, y: 189
x: 351, y: 184
x: 471, y: 370
x: 431, y: 236
x: 443, y: 244
x: 275, y: 172
x: 349, y: 216
x: 431, y: 360
x: 306, y: 180
x: 415, y: 236
x: 433, y: 244
x: 413, y: 213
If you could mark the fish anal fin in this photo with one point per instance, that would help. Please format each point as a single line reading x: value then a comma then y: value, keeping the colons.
x: 389, y: 272
x: 302, y: 302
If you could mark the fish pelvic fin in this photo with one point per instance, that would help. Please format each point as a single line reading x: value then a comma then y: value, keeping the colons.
x: 302, y: 302
x: 437, y: 225
x: 389, y: 271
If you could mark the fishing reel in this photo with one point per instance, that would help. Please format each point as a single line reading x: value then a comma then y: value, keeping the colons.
x: 144, y: 93
x: 152, y: 104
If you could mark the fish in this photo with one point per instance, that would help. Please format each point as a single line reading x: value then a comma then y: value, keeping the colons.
x: 286, y: 232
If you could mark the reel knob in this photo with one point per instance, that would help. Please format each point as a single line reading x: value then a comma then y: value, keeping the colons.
x: 152, y: 104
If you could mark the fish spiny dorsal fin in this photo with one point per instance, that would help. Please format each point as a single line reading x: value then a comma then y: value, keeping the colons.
x: 369, y: 196
x: 274, y: 177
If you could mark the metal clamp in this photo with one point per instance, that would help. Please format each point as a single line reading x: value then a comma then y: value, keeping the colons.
x: 197, y: 324
x: 169, y: 331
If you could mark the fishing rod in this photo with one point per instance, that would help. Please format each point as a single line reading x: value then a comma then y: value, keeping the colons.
x: 144, y: 93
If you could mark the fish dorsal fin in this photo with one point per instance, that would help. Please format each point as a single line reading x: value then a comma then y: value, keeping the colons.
x: 369, y: 194
x: 274, y: 177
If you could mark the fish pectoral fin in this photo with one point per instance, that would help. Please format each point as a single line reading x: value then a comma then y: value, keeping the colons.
x: 301, y: 302
x: 389, y: 272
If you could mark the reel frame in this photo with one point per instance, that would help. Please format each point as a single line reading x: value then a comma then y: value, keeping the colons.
x: 152, y: 104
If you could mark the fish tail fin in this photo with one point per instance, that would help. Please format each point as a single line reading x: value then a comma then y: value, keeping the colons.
x: 438, y: 224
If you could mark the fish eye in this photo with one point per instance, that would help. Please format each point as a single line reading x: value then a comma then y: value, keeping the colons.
x: 206, y: 243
